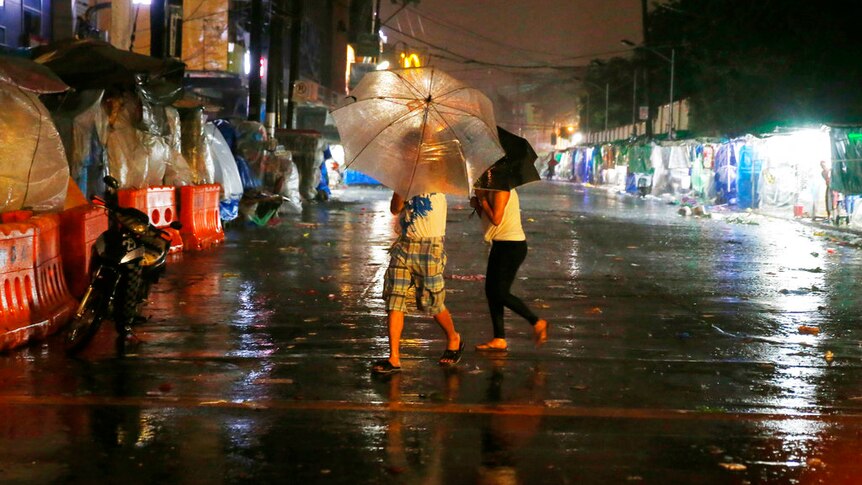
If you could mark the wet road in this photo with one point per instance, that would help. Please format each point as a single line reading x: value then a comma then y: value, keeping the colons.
x: 675, y: 356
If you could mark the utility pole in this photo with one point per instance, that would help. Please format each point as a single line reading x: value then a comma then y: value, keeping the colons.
x: 295, y: 39
x: 256, y: 49
x: 645, y: 21
x: 635, y: 103
x: 275, y: 68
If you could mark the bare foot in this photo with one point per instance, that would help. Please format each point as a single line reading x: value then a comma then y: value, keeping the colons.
x: 540, y: 332
x: 497, y: 344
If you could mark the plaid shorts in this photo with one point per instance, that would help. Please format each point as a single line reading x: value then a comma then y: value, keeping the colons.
x: 416, y: 263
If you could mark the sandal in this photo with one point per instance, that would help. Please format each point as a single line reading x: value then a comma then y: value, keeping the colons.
x: 384, y: 367
x: 540, y: 335
x: 451, y: 355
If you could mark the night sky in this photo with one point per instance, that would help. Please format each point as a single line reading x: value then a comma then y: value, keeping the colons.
x: 477, y: 40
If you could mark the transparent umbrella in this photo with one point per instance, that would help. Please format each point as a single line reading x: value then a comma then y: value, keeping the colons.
x: 418, y: 131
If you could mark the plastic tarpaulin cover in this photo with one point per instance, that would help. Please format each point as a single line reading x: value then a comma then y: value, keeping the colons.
x: 226, y: 171
x: 33, y: 168
x: 846, y: 160
x: 127, y: 156
x: 194, y: 146
x: 659, y: 158
x: 80, y: 120
x: 177, y: 171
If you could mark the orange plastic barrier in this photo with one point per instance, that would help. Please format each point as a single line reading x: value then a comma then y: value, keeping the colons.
x: 159, y: 203
x: 162, y: 206
x: 53, y: 304
x: 15, y: 216
x: 199, y: 214
x: 79, y: 228
x: 17, y: 293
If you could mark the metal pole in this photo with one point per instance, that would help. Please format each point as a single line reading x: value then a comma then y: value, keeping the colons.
x: 297, y: 15
x: 607, y: 96
x: 255, y: 50
x: 635, y: 102
x: 588, y: 111
x: 672, y: 60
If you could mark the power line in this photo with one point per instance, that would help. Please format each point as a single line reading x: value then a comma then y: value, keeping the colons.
x: 490, y: 40
x: 464, y: 59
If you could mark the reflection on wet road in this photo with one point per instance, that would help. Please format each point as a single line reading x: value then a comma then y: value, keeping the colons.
x: 675, y: 356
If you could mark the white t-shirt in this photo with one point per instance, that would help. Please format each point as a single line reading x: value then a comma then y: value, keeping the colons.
x: 510, y: 226
x: 423, y: 216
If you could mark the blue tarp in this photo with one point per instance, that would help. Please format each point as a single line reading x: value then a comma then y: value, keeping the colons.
x: 352, y: 177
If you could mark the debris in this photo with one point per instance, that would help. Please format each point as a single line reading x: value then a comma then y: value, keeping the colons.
x: 595, y: 311
x: 829, y: 356
x: 270, y: 380
x: 462, y: 277
x: 736, y: 467
x: 815, y: 463
x: 230, y: 275
x: 530, y: 219
x: 805, y: 329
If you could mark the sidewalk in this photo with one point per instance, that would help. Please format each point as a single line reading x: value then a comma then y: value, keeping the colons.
x: 783, y: 214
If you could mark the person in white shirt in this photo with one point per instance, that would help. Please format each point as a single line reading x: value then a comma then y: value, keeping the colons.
x: 500, y: 213
x: 418, y: 259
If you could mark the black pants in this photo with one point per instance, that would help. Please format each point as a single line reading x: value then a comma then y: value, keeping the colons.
x: 503, y: 263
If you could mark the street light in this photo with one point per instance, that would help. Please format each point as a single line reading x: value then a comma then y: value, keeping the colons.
x: 670, y: 60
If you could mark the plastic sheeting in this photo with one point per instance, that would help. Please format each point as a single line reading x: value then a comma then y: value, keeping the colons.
x: 83, y: 125
x: 194, y: 146
x: 34, y: 173
x: 177, y: 171
x: 226, y: 173
x: 137, y: 158
x: 127, y: 159
x: 847, y: 159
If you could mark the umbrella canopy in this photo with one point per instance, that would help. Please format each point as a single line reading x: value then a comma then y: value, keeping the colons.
x: 418, y: 131
x: 30, y: 75
x: 517, y: 168
x: 93, y: 64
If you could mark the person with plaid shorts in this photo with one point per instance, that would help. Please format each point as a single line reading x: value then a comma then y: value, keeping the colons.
x: 416, y: 262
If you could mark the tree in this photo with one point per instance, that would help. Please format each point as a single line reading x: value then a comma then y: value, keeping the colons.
x: 748, y: 66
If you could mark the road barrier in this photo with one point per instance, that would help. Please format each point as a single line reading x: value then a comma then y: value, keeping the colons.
x: 35, y: 301
x: 79, y: 228
x: 159, y: 204
x: 16, y: 283
x: 162, y: 207
x: 53, y: 303
x: 199, y: 214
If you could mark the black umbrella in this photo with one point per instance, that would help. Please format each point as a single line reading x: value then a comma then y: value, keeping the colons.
x: 93, y: 64
x: 513, y: 170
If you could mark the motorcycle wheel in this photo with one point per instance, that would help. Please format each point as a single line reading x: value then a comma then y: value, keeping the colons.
x: 83, y: 328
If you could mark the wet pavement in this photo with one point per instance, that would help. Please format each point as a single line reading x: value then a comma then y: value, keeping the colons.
x: 675, y: 356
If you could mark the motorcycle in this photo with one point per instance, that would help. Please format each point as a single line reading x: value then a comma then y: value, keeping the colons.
x: 129, y: 257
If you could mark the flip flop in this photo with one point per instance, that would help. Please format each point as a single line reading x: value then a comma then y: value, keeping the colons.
x: 453, y: 355
x: 488, y: 348
x: 384, y: 367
